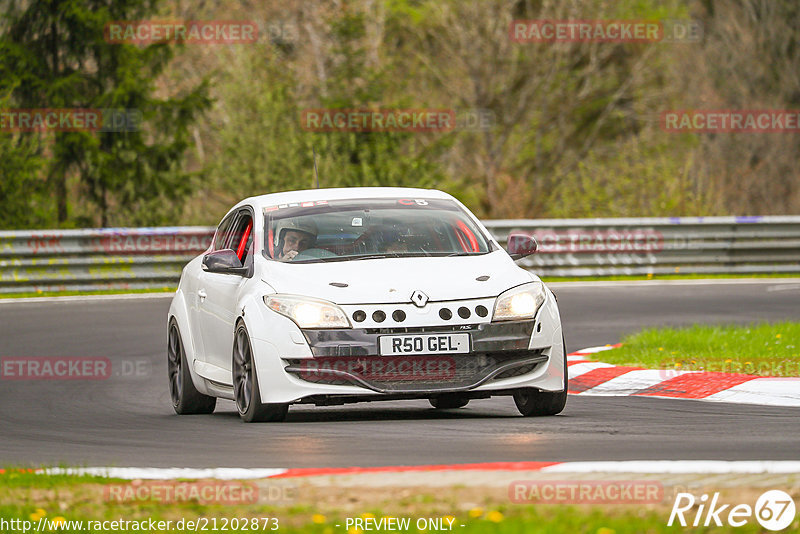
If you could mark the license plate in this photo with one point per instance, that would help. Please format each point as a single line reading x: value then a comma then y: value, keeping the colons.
x: 425, y: 344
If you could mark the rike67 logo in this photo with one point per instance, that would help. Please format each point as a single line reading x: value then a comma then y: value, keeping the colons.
x: 774, y: 510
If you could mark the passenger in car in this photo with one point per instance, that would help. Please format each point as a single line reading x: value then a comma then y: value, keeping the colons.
x: 394, y: 241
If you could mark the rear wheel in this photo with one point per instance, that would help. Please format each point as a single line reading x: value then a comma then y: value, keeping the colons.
x: 245, y: 384
x: 448, y: 402
x: 534, y: 403
x: 185, y: 397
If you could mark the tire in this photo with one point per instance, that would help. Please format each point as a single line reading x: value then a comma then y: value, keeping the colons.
x: 534, y: 403
x: 448, y: 402
x: 186, y: 400
x: 245, y: 384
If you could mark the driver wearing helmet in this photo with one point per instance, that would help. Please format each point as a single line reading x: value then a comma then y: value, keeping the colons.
x: 294, y: 237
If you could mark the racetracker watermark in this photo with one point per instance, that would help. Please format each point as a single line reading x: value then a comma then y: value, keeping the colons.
x: 117, y: 241
x: 396, y: 120
x: 586, y: 491
x: 55, y: 368
x: 144, y: 32
x: 774, y: 510
x: 279, y: 32
x: 70, y: 120
x: 779, y: 369
x: 378, y: 120
x: 386, y: 368
x: 605, y: 31
x: 731, y: 121
x: 78, y: 368
x: 152, y: 243
x: 172, y: 491
x: 607, y: 241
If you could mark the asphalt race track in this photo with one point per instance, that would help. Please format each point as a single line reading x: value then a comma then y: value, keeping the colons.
x: 127, y: 420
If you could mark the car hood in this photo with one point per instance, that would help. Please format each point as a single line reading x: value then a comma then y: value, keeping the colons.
x: 393, y: 280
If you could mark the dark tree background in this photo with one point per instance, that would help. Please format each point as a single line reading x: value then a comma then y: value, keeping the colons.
x: 53, y: 55
x: 576, y: 130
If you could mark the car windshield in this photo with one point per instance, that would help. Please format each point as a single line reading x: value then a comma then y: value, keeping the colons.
x: 345, y: 230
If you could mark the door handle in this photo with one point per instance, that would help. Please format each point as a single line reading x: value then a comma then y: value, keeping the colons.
x: 202, y: 294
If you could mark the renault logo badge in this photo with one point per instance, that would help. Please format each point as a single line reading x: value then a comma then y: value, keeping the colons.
x: 419, y: 299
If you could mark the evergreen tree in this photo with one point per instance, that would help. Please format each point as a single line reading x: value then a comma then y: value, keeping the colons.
x: 53, y: 55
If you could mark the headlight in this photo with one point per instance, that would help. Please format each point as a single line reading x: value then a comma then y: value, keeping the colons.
x: 519, y: 303
x: 308, y: 312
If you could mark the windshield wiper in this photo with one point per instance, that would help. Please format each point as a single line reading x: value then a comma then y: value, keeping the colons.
x: 380, y: 256
x: 348, y: 258
x: 376, y: 256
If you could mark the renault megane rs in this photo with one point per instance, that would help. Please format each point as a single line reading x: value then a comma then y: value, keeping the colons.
x: 332, y: 296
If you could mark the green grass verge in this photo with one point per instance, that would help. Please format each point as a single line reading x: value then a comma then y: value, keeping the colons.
x: 758, y: 349
x: 25, y: 496
x: 97, y: 292
x: 20, y: 477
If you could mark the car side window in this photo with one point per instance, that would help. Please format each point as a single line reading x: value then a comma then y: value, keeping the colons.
x: 222, y: 236
x: 242, y: 236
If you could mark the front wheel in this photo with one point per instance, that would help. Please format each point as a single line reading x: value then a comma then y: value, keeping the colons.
x: 245, y: 384
x: 534, y: 403
x: 185, y: 397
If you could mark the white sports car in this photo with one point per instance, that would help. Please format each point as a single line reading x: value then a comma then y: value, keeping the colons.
x: 332, y: 296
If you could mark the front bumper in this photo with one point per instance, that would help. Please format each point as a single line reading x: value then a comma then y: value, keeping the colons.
x: 351, y: 357
x: 486, y: 337
x: 336, y: 366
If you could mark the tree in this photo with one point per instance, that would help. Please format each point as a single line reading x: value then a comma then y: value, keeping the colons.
x: 554, y: 103
x: 261, y: 145
x: 750, y: 61
x: 55, y: 56
x: 20, y: 184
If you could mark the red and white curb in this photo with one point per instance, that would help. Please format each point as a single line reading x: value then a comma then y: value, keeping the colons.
x: 590, y: 377
x: 165, y: 473
x: 655, y: 467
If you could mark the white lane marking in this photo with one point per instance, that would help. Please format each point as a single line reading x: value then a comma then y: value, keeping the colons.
x: 580, y: 368
x: 765, y: 391
x: 632, y: 382
x: 156, y: 473
x: 593, y: 350
x: 87, y: 298
x: 632, y: 466
x: 676, y: 467
x: 784, y: 287
x: 654, y: 283
x: 576, y: 358
x: 628, y: 466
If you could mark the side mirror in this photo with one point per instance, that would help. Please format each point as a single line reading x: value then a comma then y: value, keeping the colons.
x: 223, y: 261
x: 521, y: 245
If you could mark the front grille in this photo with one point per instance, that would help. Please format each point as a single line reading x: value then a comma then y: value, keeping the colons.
x: 517, y: 371
x: 419, y: 329
x: 411, y: 373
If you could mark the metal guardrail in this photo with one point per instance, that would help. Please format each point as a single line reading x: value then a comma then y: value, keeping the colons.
x: 687, y: 245
x: 113, y: 258
x: 132, y: 258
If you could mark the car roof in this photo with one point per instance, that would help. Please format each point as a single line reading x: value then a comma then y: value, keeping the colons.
x: 340, y: 193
